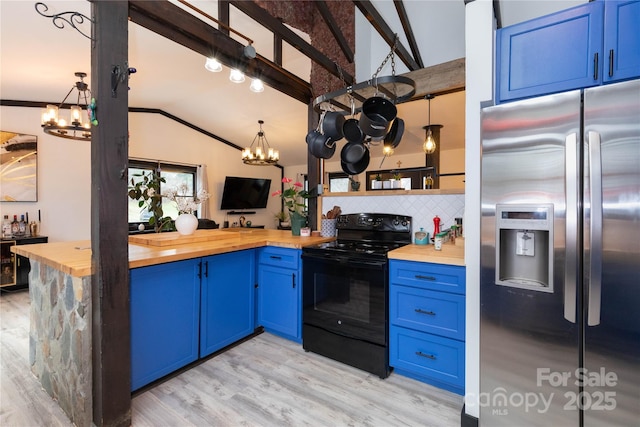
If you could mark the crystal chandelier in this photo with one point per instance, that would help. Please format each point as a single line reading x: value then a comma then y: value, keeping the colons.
x: 79, y: 124
x: 262, y: 154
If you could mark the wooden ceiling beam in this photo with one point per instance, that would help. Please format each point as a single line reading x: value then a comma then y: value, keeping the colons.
x: 322, y: 7
x: 178, y: 25
x: 406, y: 26
x: 378, y: 22
x: 265, y: 19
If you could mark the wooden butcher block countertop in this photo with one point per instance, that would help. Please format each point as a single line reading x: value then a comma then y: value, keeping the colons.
x: 451, y: 253
x: 74, y: 258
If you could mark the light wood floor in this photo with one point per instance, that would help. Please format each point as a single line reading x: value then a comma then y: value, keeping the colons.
x: 266, y: 381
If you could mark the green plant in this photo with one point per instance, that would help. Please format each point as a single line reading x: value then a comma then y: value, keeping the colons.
x: 281, y: 216
x: 397, y: 176
x: 145, y: 187
x: 378, y: 177
x: 292, y: 197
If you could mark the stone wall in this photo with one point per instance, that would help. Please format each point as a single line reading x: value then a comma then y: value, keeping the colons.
x: 60, y: 339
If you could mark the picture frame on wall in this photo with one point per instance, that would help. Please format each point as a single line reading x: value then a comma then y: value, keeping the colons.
x: 18, y: 167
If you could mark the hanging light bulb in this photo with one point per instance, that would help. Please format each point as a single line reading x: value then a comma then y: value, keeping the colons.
x: 213, y: 65
x: 256, y: 86
x: 236, y: 76
x: 432, y: 132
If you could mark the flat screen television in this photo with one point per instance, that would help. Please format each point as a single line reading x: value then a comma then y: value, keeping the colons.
x: 245, y: 193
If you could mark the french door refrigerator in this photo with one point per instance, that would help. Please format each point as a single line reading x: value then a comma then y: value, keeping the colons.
x: 560, y: 260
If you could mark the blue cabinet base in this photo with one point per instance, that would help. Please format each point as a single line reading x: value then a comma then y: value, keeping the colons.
x: 429, y: 380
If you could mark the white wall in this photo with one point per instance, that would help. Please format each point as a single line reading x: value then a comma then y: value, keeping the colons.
x: 64, y: 170
x: 64, y: 180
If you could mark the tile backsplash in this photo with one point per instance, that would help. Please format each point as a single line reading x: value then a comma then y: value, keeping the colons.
x: 422, y: 208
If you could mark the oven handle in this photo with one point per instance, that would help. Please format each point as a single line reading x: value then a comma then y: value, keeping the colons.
x: 354, y: 262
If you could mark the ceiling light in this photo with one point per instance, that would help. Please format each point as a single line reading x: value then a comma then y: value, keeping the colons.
x: 256, y: 86
x: 213, y: 65
x: 432, y: 136
x: 236, y: 76
x: 79, y: 125
x: 262, y: 154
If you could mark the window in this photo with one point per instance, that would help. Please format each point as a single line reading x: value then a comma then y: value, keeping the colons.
x: 338, y: 182
x: 174, y: 175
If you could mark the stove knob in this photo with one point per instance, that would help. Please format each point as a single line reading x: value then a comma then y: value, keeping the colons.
x: 396, y: 222
x: 404, y: 223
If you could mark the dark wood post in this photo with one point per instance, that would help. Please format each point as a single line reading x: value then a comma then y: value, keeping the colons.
x: 109, y: 233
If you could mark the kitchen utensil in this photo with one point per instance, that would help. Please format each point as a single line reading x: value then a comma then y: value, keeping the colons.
x: 332, y: 125
x: 351, y: 130
x: 320, y: 146
x: 356, y: 167
x: 377, y: 116
x: 395, y: 133
x: 421, y: 237
x: 352, y: 152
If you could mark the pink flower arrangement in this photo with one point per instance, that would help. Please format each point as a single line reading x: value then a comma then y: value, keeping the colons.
x: 293, y: 196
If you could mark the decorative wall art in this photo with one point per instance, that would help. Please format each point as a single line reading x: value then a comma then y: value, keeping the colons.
x: 18, y: 167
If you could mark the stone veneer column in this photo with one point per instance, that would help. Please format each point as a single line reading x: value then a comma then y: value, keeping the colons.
x: 60, y: 339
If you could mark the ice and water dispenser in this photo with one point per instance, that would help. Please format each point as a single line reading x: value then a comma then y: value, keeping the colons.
x: 524, y: 246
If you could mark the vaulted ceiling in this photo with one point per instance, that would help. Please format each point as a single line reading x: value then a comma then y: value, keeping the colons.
x: 38, y: 60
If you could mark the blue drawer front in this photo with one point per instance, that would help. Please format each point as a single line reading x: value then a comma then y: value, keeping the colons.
x: 280, y: 257
x: 437, y: 277
x: 428, y: 311
x: 427, y: 356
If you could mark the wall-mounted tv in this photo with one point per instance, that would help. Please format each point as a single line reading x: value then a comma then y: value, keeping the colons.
x: 245, y: 193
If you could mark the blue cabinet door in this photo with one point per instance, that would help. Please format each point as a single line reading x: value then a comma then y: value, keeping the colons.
x: 621, y: 40
x: 227, y: 311
x: 554, y: 53
x: 165, y: 317
x: 279, y: 308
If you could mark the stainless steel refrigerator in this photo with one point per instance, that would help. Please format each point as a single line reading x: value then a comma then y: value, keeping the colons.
x: 560, y: 260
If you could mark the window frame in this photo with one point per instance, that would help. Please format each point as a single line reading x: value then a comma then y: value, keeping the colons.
x: 149, y: 165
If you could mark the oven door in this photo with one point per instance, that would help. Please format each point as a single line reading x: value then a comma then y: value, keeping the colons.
x: 346, y: 295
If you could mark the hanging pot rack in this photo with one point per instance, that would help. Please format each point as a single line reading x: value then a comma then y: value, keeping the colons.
x: 398, y: 89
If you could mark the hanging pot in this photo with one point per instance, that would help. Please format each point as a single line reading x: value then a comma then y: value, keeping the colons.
x: 351, y: 130
x: 320, y: 146
x: 356, y: 167
x: 353, y: 152
x: 332, y: 125
x: 377, y: 116
x: 395, y: 133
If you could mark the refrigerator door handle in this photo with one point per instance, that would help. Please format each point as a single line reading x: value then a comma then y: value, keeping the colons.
x: 594, y: 280
x: 571, y: 227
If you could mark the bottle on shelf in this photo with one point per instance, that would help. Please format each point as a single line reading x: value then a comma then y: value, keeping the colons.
x: 15, y: 226
x: 22, y: 226
x: 6, y: 226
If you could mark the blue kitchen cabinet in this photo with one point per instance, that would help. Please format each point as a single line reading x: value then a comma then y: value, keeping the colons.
x: 427, y: 322
x: 553, y: 53
x: 165, y: 319
x: 621, y: 40
x: 227, y: 310
x: 279, y: 292
x: 587, y: 45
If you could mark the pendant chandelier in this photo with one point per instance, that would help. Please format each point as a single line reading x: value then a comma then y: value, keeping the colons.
x: 432, y: 137
x: 78, y: 125
x: 260, y: 153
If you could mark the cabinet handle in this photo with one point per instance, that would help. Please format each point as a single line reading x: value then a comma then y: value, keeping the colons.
x: 293, y: 280
x: 421, y: 311
x: 595, y: 66
x: 421, y: 277
x: 428, y: 356
x: 275, y: 257
x: 206, y: 269
x: 611, y: 63
x: 200, y: 270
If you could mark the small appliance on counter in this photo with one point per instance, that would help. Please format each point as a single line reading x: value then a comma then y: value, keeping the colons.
x: 421, y: 237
